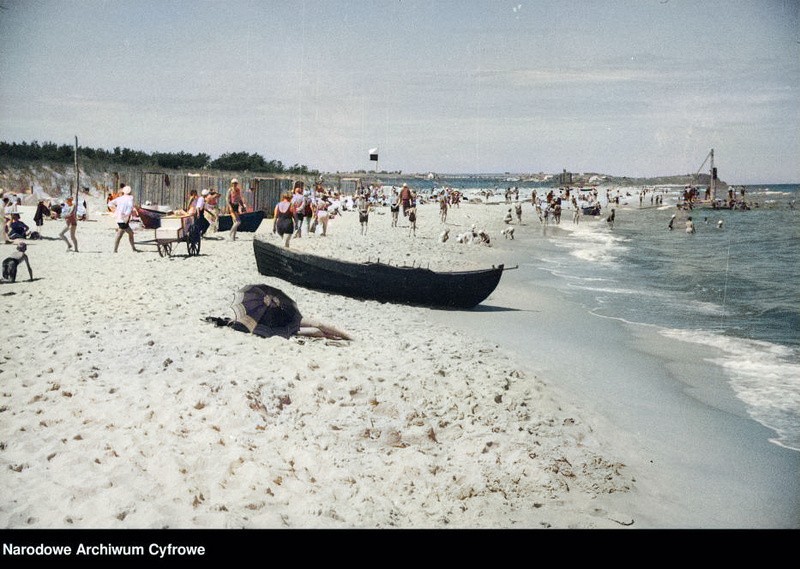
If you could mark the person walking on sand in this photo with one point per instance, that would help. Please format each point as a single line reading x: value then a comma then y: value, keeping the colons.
x: 322, y: 213
x: 71, y: 225
x: 298, y: 207
x: 363, y: 207
x: 122, y: 207
x: 405, y: 199
x: 394, y: 206
x: 236, y: 206
x: 443, y: 207
x: 11, y: 263
x: 42, y: 211
x: 212, y: 213
x: 518, y: 209
x: 283, y: 219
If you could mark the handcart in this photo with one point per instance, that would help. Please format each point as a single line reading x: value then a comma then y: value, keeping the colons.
x: 170, y: 230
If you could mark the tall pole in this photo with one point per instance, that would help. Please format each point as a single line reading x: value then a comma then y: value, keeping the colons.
x: 77, y: 173
x: 713, y: 178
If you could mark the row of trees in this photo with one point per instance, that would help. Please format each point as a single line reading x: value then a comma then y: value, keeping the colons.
x: 231, y: 161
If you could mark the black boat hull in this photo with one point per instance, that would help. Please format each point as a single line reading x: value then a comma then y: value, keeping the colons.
x: 250, y: 222
x: 377, y: 281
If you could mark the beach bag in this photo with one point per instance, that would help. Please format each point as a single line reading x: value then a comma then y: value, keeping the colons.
x: 34, y: 236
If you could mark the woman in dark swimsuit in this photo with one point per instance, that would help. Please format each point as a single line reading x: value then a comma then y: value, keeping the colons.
x: 283, y: 219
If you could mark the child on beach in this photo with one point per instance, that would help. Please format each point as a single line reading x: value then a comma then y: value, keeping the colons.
x: 412, y: 218
x: 363, y: 207
x: 11, y: 263
x: 394, y: 207
x: 17, y: 229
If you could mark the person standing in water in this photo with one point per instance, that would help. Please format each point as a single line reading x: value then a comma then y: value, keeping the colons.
x: 689, y: 225
x: 610, y: 219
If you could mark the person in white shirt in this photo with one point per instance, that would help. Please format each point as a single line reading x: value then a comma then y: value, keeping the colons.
x: 123, y: 209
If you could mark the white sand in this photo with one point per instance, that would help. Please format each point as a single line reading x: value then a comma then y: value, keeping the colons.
x: 122, y: 408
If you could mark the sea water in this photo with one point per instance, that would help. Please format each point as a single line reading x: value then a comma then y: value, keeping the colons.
x: 732, y: 289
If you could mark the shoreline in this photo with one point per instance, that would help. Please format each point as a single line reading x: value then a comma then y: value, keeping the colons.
x: 419, y: 422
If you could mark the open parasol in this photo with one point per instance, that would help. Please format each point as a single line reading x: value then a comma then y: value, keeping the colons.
x: 266, y: 311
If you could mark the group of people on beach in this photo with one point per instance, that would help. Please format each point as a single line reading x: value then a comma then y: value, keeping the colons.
x: 14, y: 230
x: 308, y: 212
x: 301, y: 212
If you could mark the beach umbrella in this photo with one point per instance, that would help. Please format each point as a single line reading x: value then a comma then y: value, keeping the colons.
x: 266, y: 311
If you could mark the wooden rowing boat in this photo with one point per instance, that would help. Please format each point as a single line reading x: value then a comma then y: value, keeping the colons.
x: 377, y: 281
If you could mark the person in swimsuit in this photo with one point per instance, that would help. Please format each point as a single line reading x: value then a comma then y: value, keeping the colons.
x: 212, y: 214
x: 11, y: 263
x: 236, y: 206
x: 283, y: 219
x: 394, y: 207
x: 443, y: 207
x: 71, y: 219
x: 322, y: 213
x: 363, y: 206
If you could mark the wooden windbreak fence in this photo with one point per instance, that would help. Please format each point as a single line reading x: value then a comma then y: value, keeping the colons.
x: 172, y: 190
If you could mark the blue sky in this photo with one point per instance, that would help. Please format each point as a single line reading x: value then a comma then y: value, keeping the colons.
x: 635, y: 88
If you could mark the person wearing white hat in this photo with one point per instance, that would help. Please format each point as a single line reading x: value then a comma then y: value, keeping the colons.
x: 406, y: 197
x: 671, y: 222
x: 122, y: 206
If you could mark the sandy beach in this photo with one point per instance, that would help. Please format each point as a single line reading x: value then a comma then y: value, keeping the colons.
x: 122, y: 408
